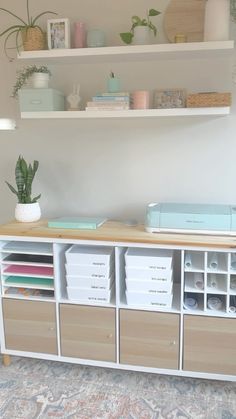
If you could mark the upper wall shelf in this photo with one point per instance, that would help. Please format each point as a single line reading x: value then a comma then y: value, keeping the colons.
x: 193, y: 50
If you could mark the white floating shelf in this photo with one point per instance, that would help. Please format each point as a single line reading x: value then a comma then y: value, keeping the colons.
x: 188, y: 50
x: 140, y: 113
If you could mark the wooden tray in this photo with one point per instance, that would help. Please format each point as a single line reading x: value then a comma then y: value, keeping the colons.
x: 185, y: 17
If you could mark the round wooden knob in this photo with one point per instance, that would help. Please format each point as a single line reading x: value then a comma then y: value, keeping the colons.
x: 173, y: 343
x: 109, y: 336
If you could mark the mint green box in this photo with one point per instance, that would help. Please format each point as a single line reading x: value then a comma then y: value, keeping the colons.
x: 35, y: 100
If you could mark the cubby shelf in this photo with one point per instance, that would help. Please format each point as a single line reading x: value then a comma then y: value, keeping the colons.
x: 191, y: 50
x: 140, y: 113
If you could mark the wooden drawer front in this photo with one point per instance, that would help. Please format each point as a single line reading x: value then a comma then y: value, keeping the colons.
x: 210, y: 344
x: 88, y: 332
x: 30, y: 326
x: 149, y: 339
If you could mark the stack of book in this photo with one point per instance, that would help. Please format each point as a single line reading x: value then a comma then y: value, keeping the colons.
x: 109, y: 102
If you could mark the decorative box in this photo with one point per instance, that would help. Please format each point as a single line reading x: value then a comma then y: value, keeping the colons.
x: 35, y: 100
x: 208, y: 99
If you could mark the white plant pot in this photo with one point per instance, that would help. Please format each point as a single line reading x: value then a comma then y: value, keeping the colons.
x: 27, y: 213
x: 141, y: 35
x: 217, y: 20
x: 40, y: 80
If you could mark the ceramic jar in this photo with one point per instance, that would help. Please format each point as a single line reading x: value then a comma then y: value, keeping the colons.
x: 27, y: 213
x: 217, y: 20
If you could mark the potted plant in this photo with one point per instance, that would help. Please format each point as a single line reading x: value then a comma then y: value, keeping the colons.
x: 27, y: 209
x: 32, y: 35
x: 139, y: 26
x: 39, y: 76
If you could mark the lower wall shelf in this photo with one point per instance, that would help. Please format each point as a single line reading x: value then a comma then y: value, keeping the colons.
x: 139, y: 113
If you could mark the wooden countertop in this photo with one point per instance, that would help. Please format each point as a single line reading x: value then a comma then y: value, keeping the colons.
x: 114, y: 232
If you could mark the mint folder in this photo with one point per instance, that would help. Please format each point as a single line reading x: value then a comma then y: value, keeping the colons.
x: 28, y: 280
x: 82, y: 223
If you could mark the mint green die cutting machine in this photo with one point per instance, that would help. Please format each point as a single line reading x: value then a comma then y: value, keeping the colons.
x: 191, y: 218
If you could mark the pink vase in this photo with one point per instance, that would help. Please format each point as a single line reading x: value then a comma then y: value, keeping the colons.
x: 79, y: 35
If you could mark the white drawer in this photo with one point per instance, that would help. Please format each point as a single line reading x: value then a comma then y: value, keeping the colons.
x: 148, y: 274
x: 135, y: 285
x: 89, y: 255
x: 149, y: 258
x: 90, y: 271
x: 145, y: 299
x: 99, y: 283
x: 90, y: 295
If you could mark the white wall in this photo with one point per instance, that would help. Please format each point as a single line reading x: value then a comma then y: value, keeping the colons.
x: 115, y: 168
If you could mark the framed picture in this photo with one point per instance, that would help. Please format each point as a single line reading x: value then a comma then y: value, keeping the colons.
x: 58, y: 33
x: 169, y: 98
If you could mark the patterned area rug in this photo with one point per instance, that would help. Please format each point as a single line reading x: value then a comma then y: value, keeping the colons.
x: 33, y: 389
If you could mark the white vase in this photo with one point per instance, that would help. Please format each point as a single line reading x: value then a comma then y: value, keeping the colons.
x: 40, y: 80
x: 217, y: 20
x: 27, y: 213
x: 141, y: 35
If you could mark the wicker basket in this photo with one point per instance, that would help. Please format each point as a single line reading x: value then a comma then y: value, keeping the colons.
x: 33, y: 39
x: 201, y: 100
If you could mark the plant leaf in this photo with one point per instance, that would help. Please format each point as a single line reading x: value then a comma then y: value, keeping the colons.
x: 41, y: 14
x: 28, y: 14
x: 5, y: 43
x: 126, y: 37
x: 153, y: 12
x: 11, y: 28
x: 13, y: 14
x: 11, y: 188
x: 36, y: 198
x: 35, y: 166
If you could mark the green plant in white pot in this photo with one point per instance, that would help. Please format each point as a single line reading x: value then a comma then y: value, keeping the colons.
x: 27, y: 208
x: 140, y: 29
x: 39, y: 75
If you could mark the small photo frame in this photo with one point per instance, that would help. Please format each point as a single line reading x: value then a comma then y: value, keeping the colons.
x: 169, y: 98
x: 58, y: 31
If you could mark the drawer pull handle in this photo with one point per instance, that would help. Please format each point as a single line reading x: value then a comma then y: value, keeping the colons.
x: 173, y: 343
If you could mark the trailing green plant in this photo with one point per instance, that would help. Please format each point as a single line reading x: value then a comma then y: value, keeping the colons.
x: 24, y: 176
x: 29, y: 22
x: 127, y: 37
x: 24, y: 75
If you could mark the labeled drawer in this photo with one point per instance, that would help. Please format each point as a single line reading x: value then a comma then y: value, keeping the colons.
x: 149, y: 274
x: 77, y: 281
x: 89, y: 255
x: 134, y: 285
x: 90, y: 294
x: 149, y: 258
x: 89, y: 271
x: 157, y: 299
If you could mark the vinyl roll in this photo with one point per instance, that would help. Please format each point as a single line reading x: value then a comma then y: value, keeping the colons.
x: 190, y: 303
x: 213, y: 261
x: 188, y: 260
x: 199, y: 280
x: 213, y: 282
x: 214, y: 303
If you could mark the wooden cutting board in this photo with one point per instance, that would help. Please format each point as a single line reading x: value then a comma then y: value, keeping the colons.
x: 185, y: 17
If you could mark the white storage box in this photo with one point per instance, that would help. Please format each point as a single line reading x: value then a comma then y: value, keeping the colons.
x: 89, y: 255
x: 100, y: 283
x: 148, y: 274
x: 144, y: 299
x: 149, y: 258
x: 135, y: 285
x: 91, y: 271
x: 90, y: 295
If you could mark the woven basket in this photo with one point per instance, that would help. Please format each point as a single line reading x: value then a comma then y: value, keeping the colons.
x: 201, y: 100
x: 33, y: 39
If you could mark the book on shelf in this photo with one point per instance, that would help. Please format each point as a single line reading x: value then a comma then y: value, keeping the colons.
x: 113, y: 94
x: 108, y: 103
x: 107, y: 108
x: 82, y: 223
x: 111, y: 99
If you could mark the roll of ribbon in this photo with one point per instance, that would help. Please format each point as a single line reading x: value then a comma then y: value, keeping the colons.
x: 213, y: 283
x: 198, y: 280
x: 232, y: 309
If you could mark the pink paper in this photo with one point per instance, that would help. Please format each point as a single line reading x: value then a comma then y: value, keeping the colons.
x: 31, y: 270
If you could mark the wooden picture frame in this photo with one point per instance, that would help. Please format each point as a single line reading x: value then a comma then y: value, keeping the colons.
x: 58, y: 32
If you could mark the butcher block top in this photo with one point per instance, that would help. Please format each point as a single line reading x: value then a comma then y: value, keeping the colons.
x: 112, y: 231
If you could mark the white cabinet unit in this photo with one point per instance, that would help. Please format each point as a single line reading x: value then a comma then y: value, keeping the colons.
x: 178, y: 338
